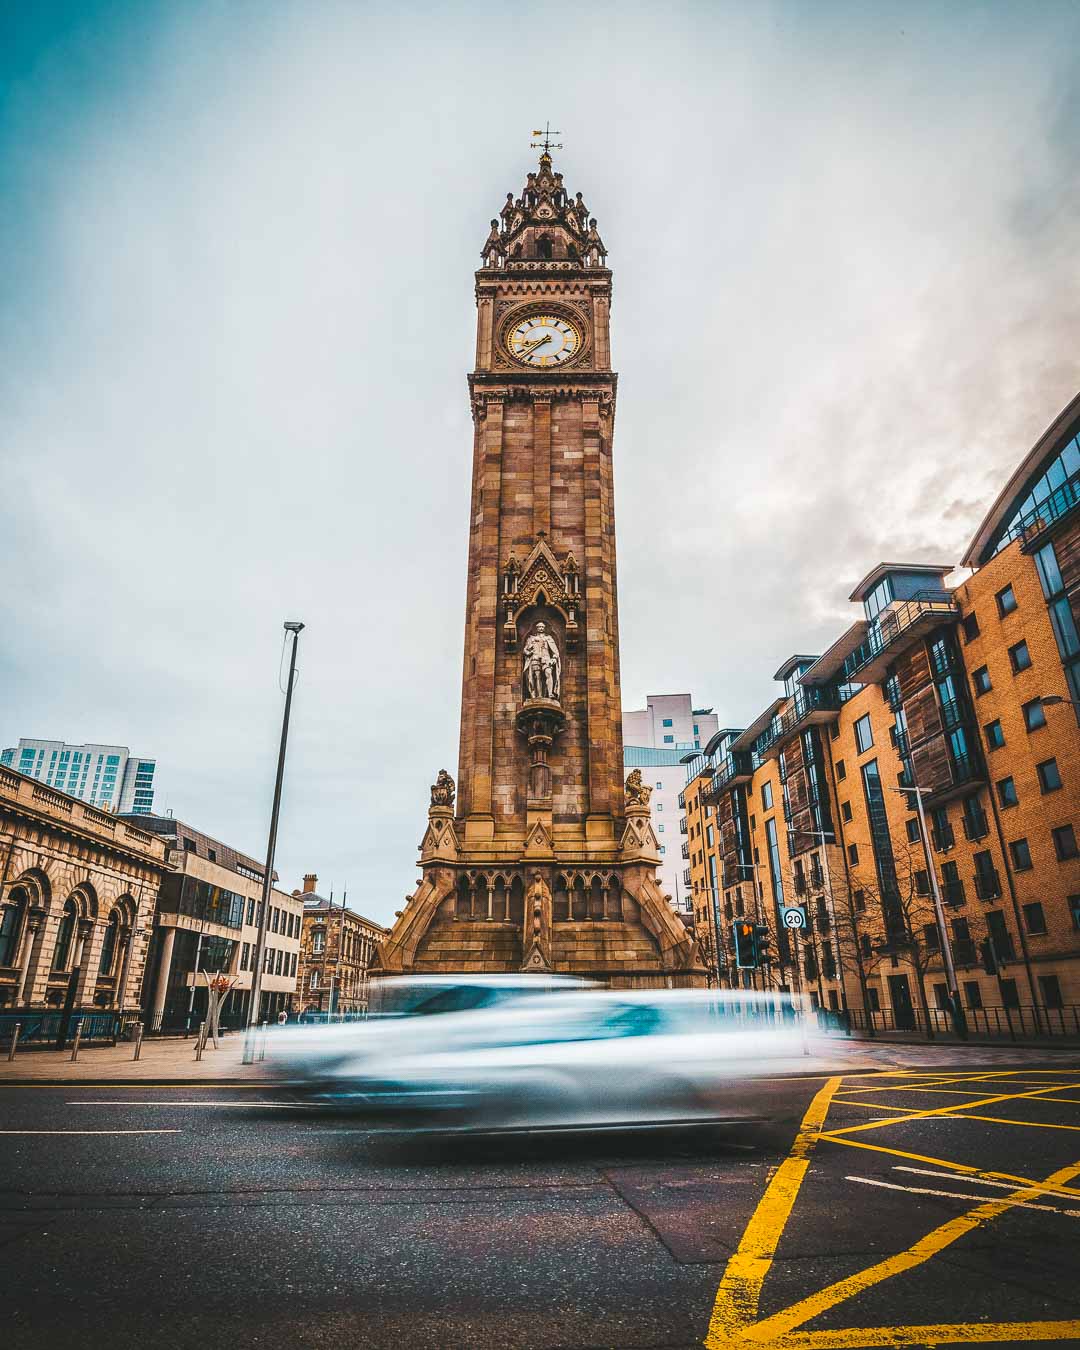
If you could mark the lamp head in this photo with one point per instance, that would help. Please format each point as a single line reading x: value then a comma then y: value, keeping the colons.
x: 293, y: 626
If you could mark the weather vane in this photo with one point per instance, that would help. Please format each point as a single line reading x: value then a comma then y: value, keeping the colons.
x: 547, y: 144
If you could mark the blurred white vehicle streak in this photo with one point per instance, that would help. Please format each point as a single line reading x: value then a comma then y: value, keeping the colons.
x: 601, y: 1058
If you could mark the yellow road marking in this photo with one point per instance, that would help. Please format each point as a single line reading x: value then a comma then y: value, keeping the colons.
x: 946, y: 1110
x: 922, y: 1250
x: 737, y: 1298
x: 966, y: 1168
x: 941, y: 1333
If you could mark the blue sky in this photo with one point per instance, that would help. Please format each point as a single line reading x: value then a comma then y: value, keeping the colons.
x: 238, y: 314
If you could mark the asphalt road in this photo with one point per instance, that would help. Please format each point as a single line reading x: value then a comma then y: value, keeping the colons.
x: 218, y: 1216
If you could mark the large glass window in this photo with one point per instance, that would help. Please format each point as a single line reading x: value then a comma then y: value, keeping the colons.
x: 64, y: 937
x: 11, y: 920
x: 864, y: 734
x: 108, y: 944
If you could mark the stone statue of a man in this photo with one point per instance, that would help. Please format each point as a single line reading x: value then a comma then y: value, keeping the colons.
x: 542, y: 665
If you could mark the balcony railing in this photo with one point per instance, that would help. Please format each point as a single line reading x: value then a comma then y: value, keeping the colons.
x: 902, y: 744
x: 686, y: 850
x: 987, y: 883
x: 735, y: 768
x: 963, y: 950
x: 953, y: 713
x: 953, y: 892
x: 683, y: 827
x: 816, y: 703
x: 894, y: 625
x: 975, y: 824
x: 1060, y: 502
x: 943, y: 838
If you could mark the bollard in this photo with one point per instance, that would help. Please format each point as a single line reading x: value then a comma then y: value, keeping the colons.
x: 200, y: 1040
x: 262, y: 1040
x: 14, y: 1040
x: 75, y: 1043
x: 249, y: 1046
x: 138, y: 1040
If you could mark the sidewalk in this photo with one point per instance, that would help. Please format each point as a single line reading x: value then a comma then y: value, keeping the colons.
x: 170, y: 1060
x: 173, y: 1061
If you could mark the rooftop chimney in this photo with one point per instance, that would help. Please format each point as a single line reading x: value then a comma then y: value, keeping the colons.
x: 310, y: 882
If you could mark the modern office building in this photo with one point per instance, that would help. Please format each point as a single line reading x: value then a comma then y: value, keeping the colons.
x: 106, y: 776
x: 656, y: 740
x: 337, y: 949
x: 206, y: 925
x: 966, y: 695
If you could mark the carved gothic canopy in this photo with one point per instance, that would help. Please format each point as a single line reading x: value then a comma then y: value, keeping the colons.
x: 541, y: 580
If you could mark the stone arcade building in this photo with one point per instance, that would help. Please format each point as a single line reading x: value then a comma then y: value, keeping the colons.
x: 77, y: 893
x: 537, y: 859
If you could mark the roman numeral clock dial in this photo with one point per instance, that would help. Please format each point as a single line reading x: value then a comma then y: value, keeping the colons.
x: 543, y: 340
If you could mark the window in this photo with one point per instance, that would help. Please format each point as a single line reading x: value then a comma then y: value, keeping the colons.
x: 853, y: 854
x: 1064, y: 838
x: 864, y: 733
x: 931, y: 937
x: 995, y: 737
x: 663, y: 848
x: 659, y: 806
x: 841, y: 769
x: 250, y: 912
x: 981, y: 680
x: 211, y: 854
x: 1006, y: 601
x: 1010, y: 996
x: 859, y: 900
x: 318, y: 941
x: 666, y: 722
x: 922, y: 882
x: 1074, y: 910
x: 766, y: 797
x: 1021, y: 855
x: 1049, y: 777
x: 245, y: 955
x: 1034, y: 717
x: 669, y: 740
x: 845, y: 810
x: 659, y: 787
x: 710, y: 835
x: 1019, y: 657
x: 1000, y: 937
x: 834, y: 731
x: 1035, y: 918
x: 971, y: 627
x: 1006, y: 790
x: 912, y: 827
x: 1051, y: 991
x: 865, y: 945
x: 660, y: 829
x: 973, y: 993
x: 313, y: 980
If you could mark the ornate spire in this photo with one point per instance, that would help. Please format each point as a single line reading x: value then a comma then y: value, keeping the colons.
x: 544, y: 224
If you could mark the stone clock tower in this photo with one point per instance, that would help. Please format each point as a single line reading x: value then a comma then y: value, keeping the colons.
x: 540, y: 858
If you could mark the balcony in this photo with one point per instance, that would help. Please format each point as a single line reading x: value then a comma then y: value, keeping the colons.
x: 953, y: 714
x: 683, y: 827
x: 901, y: 743
x: 952, y: 892
x: 895, y: 630
x: 735, y: 768
x: 1031, y: 527
x: 975, y: 824
x: 686, y: 850
x: 987, y: 883
x: 810, y: 706
x: 943, y: 838
x: 966, y: 772
x: 687, y: 881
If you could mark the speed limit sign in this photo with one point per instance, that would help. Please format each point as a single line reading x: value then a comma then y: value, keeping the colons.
x: 794, y: 916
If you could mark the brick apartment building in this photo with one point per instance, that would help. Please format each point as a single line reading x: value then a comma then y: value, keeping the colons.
x: 337, y: 947
x: 970, y: 693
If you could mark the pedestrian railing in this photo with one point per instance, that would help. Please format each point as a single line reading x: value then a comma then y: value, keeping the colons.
x: 41, y: 1027
x: 1008, y: 1023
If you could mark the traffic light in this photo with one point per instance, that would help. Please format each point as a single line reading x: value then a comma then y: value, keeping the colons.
x: 989, y: 956
x: 745, y: 944
x: 761, y: 944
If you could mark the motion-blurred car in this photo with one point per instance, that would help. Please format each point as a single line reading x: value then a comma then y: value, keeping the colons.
x: 325, y: 1056
x: 600, y: 1059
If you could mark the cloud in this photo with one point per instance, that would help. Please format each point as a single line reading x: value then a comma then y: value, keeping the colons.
x: 236, y: 337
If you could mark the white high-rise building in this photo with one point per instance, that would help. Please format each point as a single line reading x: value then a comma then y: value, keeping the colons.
x: 656, y: 739
x: 109, y: 776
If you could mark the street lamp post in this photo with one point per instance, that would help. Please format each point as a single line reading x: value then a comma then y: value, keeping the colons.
x: 956, y: 1012
x: 294, y: 627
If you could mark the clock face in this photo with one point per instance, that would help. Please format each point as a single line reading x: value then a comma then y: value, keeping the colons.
x: 543, y: 340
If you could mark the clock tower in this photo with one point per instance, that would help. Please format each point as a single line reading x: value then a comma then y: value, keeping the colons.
x: 540, y: 858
